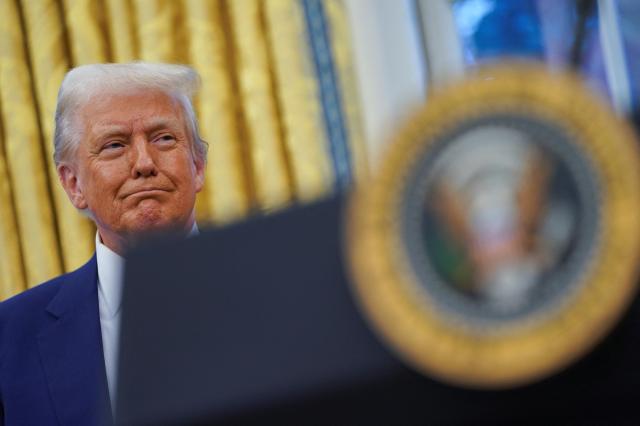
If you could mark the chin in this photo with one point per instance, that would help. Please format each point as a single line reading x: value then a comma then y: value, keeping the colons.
x: 153, y: 222
x: 152, y: 218
x: 148, y: 221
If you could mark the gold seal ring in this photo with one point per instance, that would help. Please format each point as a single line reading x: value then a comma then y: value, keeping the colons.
x: 441, y: 316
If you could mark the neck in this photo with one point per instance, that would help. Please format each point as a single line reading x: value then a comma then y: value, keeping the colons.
x: 121, y: 244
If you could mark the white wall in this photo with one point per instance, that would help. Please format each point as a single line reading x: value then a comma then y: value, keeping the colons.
x: 390, y: 66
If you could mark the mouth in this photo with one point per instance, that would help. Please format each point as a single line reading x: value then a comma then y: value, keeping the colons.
x: 147, y: 192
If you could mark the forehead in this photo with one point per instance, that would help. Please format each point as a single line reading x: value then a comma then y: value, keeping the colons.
x: 131, y: 110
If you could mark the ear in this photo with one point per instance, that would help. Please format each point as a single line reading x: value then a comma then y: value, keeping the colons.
x: 200, y: 166
x: 69, y: 180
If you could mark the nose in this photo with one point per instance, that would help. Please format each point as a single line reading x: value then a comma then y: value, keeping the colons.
x: 143, y: 163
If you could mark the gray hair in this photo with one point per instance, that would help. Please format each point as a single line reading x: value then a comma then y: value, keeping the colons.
x: 81, y: 84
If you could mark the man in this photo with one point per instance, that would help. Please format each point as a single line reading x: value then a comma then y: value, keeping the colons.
x: 129, y: 156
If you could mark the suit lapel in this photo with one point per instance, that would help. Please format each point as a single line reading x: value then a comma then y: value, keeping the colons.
x: 71, y: 351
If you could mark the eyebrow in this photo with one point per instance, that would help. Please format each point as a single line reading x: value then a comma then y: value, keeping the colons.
x: 109, y: 129
x: 162, y: 122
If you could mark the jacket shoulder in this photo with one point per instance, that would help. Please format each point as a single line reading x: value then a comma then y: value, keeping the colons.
x: 40, y: 295
x: 26, y: 311
x: 34, y: 298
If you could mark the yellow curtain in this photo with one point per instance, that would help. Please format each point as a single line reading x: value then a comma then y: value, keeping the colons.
x: 277, y: 135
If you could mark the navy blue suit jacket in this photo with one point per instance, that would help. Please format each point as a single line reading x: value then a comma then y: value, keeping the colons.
x: 51, y: 360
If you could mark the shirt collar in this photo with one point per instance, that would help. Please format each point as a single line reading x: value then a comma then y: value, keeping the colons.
x: 110, y: 269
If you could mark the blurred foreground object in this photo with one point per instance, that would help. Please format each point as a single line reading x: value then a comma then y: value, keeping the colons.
x: 497, y: 246
x: 499, y: 241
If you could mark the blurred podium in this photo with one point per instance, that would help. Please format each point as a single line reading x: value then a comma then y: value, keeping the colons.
x: 256, y: 324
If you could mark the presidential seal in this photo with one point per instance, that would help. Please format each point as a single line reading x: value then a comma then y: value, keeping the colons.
x: 499, y: 240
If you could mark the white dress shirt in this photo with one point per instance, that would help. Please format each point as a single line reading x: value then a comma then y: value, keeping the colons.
x: 110, y: 270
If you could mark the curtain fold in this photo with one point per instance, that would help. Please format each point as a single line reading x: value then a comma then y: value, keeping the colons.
x: 297, y: 91
x: 11, y: 272
x: 339, y: 39
x: 261, y: 130
x: 122, y: 33
x: 159, y: 30
x: 226, y: 192
x: 277, y: 106
x: 49, y: 60
x: 26, y: 169
x: 86, y: 31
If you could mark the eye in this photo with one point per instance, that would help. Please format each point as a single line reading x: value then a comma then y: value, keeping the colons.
x: 113, y: 145
x: 165, y: 139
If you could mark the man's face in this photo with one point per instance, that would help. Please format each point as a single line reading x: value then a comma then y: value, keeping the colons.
x: 134, y: 169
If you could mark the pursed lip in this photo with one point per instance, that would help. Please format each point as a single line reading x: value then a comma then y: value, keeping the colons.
x: 144, y: 191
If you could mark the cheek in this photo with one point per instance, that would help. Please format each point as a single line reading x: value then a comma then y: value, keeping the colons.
x: 105, y: 181
x: 180, y: 169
